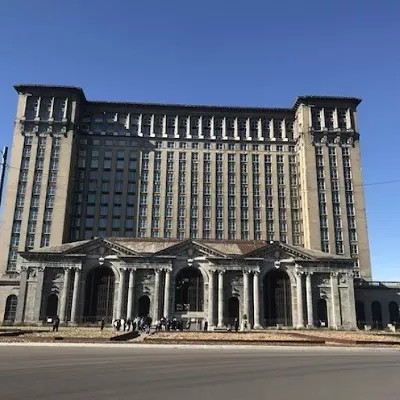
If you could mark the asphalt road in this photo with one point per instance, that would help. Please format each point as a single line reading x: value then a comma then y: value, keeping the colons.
x: 190, y: 374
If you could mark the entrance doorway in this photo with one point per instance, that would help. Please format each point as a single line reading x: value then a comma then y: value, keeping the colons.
x: 144, y: 306
x: 52, y: 305
x: 233, y: 309
x: 322, y: 313
x: 99, y: 295
x: 277, y: 298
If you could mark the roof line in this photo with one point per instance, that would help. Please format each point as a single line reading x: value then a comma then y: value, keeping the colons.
x: 300, y: 99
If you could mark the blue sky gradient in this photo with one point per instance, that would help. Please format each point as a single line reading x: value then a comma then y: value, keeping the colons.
x: 253, y: 53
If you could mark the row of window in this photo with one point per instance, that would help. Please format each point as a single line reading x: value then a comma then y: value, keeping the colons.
x: 174, y: 126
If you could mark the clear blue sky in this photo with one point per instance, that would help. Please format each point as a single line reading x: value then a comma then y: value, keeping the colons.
x: 257, y: 53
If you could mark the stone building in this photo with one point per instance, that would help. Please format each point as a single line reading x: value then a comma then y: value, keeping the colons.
x: 266, y: 284
x: 231, y: 184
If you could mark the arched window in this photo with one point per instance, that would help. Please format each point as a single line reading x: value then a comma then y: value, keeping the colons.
x: 189, y: 290
x: 393, y: 312
x: 376, y: 310
x: 11, y: 308
x: 52, y: 305
x: 360, y: 314
x: 277, y: 298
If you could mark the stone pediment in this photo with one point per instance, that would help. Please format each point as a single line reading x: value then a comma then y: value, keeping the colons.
x: 278, y: 251
x: 102, y: 248
x: 190, y: 249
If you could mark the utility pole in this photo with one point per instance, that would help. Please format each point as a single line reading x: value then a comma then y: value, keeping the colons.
x: 3, y: 170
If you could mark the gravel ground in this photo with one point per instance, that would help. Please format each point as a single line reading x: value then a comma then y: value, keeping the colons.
x: 214, y: 336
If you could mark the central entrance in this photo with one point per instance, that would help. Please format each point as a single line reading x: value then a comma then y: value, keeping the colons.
x: 189, y: 290
x: 99, y: 295
x: 277, y: 298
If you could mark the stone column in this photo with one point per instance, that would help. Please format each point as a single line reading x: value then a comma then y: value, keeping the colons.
x: 352, y: 302
x: 221, y: 299
x: 334, y: 300
x: 246, y: 308
x: 38, y: 295
x: 211, y: 273
x: 121, y: 292
x: 310, y: 311
x: 256, y: 300
x: 167, y: 291
x: 64, y: 299
x: 20, y: 313
x: 75, y: 295
x: 299, y: 287
x: 156, y: 295
x: 131, y: 293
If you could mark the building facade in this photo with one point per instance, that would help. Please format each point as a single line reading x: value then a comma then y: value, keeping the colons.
x: 83, y: 169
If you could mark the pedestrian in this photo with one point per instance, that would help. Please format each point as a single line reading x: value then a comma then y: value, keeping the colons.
x: 56, y: 324
x: 205, y: 326
x: 102, y: 323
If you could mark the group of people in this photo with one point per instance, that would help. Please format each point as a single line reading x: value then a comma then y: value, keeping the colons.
x: 140, y: 324
x: 143, y: 324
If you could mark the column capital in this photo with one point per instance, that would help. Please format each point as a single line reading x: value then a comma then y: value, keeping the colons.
x: 256, y: 271
x: 299, y: 273
x: 221, y: 271
x: 246, y: 271
x: 167, y: 269
x: 24, y: 268
x: 309, y: 273
x: 41, y: 269
x: 157, y: 270
x: 350, y: 275
x: 134, y: 269
x: 122, y: 269
x: 212, y: 270
x: 334, y: 274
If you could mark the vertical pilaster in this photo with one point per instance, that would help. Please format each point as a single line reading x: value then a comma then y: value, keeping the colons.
x: 156, y: 295
x: 246, y: 309
x: 211, y: 274
x: 75, y: 294
x: 20, y: 313
x: 121, y: 291
x: 38, y: 294
x: 64, y: 298
x: 334, y: 301
x: 310, y: 311
x: 352, y: 306
x: 167, y: 291
x: 221, y: 299
x: 256, y: 300
x: 131, y: 293
x: 299, y: 288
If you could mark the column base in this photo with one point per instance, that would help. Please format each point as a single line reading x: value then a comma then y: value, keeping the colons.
x: 299, y: 326
x: 310, y: 326
x: 257, y: 327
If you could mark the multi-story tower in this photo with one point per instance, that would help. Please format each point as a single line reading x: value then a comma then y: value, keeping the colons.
x: 82, y: 169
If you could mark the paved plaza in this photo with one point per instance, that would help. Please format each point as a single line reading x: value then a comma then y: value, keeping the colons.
x: 121, y: 372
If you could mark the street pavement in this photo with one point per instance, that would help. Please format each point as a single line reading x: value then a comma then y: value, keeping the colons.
x: 34, y: 372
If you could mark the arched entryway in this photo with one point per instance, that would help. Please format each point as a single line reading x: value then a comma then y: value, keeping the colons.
x: 277, y: 298
x: 11, y: 308
x: 144, y: 306
x: 393, y: 312
x: 233, y: 309
x: 189, y: 290
x: 99, y: 294
x: 360, y: 314
x: 52, y: 305
x: 322, y: 313
x: 376, y: 311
